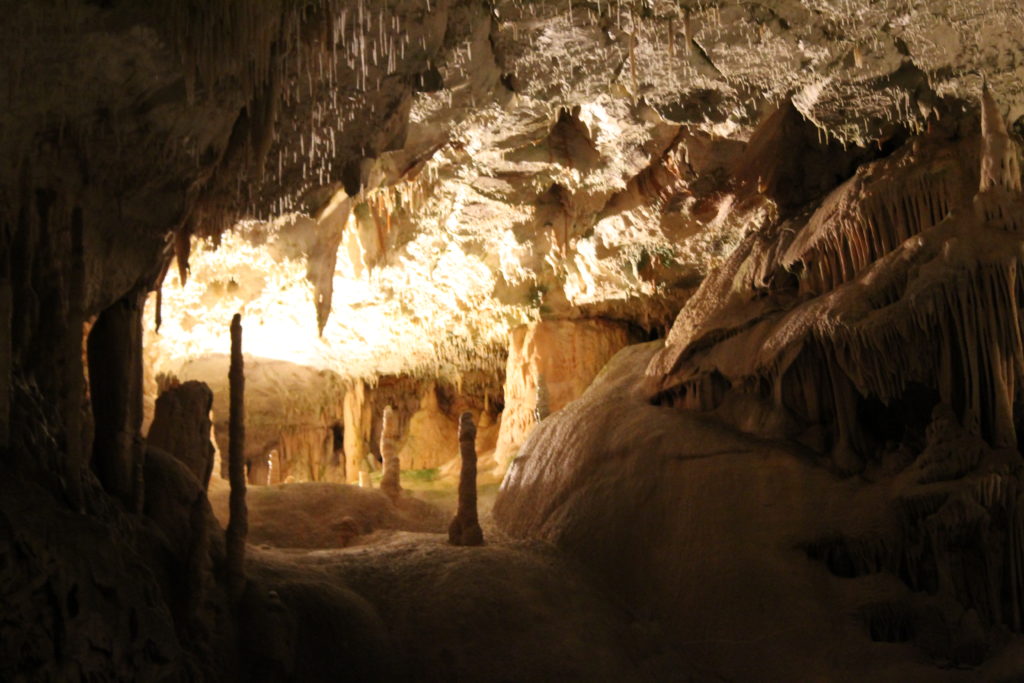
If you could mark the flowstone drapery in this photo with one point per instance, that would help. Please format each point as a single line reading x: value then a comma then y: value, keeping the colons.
x: 883, y: 330
x: 904, y: 281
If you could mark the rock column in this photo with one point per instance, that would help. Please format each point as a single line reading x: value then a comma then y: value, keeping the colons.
x: 390, y: 483
x: 115, y: 374
x: 181, y: 426
x: 238, y: 524
x: 465, y: 527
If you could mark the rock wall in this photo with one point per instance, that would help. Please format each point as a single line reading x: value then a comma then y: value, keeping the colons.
x: 358, y: 420
x: 555, y: 360
x: 761, y: 564
x: 432, y: 437
x: 426, y: 412
x: 182, y: 427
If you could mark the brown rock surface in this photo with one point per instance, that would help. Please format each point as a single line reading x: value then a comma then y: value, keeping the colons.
x: 181, y: 426
x: 390, y: 434
x: 431, y: 437
x: 311, y: 514
x: 568, y: 354
x: 732, y: 539
x: 464, y: 528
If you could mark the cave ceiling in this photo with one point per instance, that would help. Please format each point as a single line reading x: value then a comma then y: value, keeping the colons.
x: 390, y: 186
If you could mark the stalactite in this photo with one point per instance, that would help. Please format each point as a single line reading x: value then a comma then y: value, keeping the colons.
x: 389, y: 438
x: 870, y: 218
x: 238, y: 524
x: 182, y: 249
x: 465, y: 527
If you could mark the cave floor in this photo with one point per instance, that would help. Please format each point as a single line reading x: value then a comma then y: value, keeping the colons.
x: 426, y: 610
x: 502, y: 612
x: 397, y: 602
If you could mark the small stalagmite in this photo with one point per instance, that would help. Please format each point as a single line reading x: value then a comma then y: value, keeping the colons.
x: 465, y: 527
x: 238, y: 524
x: 389, y: 482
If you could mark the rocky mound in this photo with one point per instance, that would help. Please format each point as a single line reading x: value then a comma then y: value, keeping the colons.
x: 314, y: 514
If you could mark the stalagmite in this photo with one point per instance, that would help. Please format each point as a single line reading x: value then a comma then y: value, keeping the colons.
x: 465, y: 527
x: 238, y: 524
x: 389, y: 482
x: 543, y: 407
x: 1000, y: 165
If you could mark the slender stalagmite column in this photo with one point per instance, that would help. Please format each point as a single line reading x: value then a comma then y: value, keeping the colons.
x: 465, y: 527
x: 238, y: 524
x: 390, y: 483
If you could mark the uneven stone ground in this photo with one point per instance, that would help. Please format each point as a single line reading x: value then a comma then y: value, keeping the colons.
x: 405, y: 605
x: 307, y: 515
x: 502, y: 612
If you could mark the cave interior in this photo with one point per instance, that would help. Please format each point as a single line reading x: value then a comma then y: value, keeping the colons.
x: 512, y: 340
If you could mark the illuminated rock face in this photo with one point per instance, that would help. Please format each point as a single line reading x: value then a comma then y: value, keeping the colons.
x: 181, y: 426
x: 881, y: 328
x: 432, y: 436
x: 296, y: 424
x: 901, y: 288
x: 433, y: 174
x: 555, y: 360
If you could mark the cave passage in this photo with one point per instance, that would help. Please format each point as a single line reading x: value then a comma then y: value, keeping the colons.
x: 465, y: 340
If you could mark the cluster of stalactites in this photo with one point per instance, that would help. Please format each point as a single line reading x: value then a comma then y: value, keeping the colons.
x: 846, y: 239
x: 998, y: 201
x: 943, y: 311
x: 978, y: 358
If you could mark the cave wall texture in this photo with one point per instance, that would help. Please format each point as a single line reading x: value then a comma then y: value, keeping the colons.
x: 820, y: 176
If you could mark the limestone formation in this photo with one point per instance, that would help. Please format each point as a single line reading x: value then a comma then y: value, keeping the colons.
x: 430, y: 434
x: 347, y: 529
x: 816, y: 478
x: 861, y: 300
x: 543, y: 406
x: 389, y: 437
x: 550, y: 363
x: 465, y: 527
x: 1000, y: 157
x: 115, y: 372
x: 238, y: 524
x: 181, y: 426
x: 356, y: 436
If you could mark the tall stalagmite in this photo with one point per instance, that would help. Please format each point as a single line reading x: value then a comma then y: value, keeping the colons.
x: 465, y: 527
x: 390, y: 483
x: 238, y: 525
